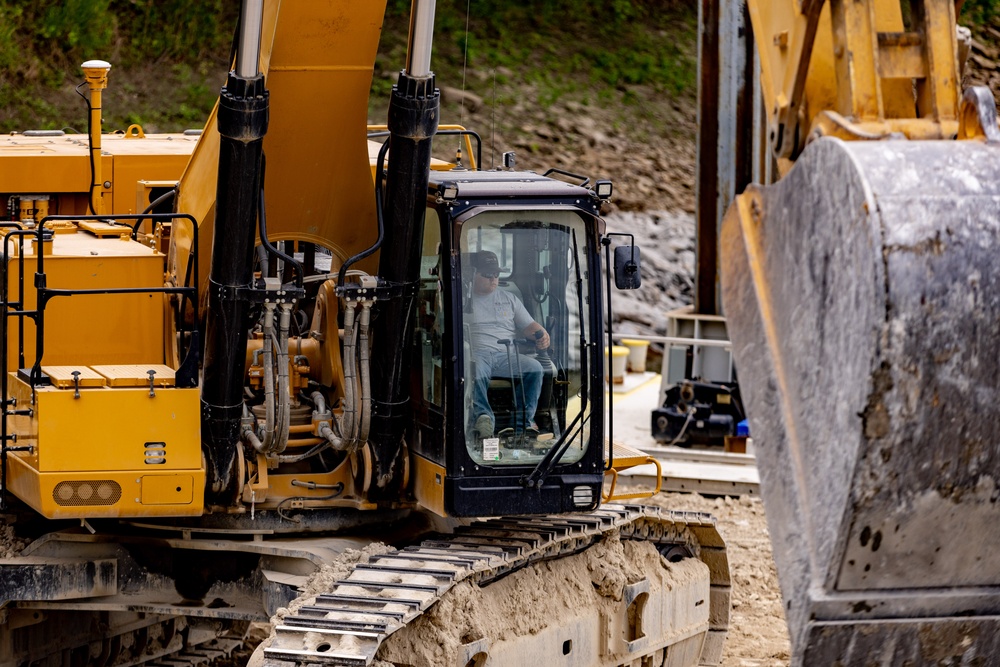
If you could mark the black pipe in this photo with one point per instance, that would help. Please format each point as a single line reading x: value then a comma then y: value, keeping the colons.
x: 242, y: 122
x: 265, y: 242
x: 379, y: 216
x: 413, y: 120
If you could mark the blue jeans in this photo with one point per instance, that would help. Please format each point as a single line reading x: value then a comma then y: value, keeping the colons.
x: 496, y: 364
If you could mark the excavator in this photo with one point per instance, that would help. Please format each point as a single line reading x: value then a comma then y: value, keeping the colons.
x: 858, y: 279
x: 233, y: 357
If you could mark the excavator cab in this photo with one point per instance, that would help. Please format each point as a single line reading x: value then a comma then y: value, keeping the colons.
x: 513, y: 425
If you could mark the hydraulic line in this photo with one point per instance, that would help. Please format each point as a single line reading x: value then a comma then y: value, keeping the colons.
x: 284, y: 396
x: 364, y: 352
x: 267, y: 363
x: 349, y: 363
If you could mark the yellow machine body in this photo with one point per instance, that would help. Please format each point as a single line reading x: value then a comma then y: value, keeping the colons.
x: 317, y: 58
x: 77, y: 328
x: 105, y: 442
x: 59, y: 168
x: 114, y: 451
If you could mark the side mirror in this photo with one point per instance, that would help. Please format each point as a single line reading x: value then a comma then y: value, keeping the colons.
x: 627, y: 274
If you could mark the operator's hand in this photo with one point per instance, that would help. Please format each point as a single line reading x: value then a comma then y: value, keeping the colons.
x: 541, y: 339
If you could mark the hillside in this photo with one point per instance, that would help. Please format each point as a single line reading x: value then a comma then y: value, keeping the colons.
x: 605, y: 89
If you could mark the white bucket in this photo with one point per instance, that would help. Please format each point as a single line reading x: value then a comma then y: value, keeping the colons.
x: 619, y: 357
x: 636, y: 354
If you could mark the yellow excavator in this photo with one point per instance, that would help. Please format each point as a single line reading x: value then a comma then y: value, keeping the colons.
x: 860, y: 295
x: 233, y: 355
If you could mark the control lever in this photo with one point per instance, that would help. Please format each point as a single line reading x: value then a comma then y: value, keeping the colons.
x: 519, y: 381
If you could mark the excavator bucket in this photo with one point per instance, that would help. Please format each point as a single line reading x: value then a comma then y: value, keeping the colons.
x: 863, y: 299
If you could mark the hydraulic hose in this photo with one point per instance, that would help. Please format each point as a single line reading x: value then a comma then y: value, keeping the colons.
x: 349, y: 363
x: 284, y: 396
x: 262, y: 231
x: 379, y: 177
x: 268, y: 366
x: 364, y: 352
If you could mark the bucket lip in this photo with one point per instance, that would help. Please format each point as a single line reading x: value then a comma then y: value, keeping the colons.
x: 617, y: 351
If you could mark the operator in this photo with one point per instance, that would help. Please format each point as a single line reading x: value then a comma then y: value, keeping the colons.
x: 498, y: 315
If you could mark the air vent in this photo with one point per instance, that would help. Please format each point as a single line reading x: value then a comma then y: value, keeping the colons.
x: 91, y: 492
x: 156, y: 453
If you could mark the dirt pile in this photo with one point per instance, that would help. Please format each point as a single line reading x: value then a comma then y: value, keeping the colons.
x: 10, y: 544
x: 642, y: 139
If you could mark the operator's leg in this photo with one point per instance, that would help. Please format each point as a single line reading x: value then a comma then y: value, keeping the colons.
x: 531, y: 379
x: 480, y: 402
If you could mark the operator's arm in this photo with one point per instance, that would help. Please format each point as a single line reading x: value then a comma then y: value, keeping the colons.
x: 528, y: 326
x: 542, y: 341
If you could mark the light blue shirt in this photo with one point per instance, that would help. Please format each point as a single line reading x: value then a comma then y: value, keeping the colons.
x: 496, y: 315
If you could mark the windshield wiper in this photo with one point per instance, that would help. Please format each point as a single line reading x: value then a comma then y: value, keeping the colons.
x: 536, y: 477
x: 584, y: 374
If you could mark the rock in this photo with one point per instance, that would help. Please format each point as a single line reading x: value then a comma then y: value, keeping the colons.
x: 469, y: 100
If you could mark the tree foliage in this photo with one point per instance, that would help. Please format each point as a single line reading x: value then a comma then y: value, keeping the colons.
x: 40, y: 38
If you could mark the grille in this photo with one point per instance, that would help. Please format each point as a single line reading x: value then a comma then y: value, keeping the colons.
x: 93, y: 492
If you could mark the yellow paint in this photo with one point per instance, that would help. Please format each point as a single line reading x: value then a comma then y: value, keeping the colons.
x: 136, y: 375
x: 428, y: 484
x: 167, y: 489
x: 854, y: 59
x: 97, y: 81
x: 38, y: 490
x: 625, y: 458
x: 282, y: 492
x: 108, y: 429
x: 318, y: 59
x: 147, y: 445
x: 85, y: 378
x: 91, y: 329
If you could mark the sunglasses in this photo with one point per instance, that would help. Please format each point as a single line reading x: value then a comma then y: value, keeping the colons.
x: 490, y: 276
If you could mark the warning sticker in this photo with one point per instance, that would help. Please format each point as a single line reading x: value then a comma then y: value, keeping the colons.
x: 491, y: 449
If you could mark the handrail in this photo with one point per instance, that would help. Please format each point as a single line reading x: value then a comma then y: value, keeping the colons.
x: 632, y: 495
x: 43, y: 294
x: 476, y: 158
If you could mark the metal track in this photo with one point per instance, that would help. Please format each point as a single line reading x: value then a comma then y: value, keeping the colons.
x: 387, y: 593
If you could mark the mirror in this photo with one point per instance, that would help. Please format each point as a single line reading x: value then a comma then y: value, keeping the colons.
x: 627, y: 274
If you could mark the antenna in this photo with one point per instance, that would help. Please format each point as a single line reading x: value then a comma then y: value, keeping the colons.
x: 493, y: 131
x: 465, y: 68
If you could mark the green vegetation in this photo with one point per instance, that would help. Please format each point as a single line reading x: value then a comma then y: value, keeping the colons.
x: 170, y: 56
x: 559, y: 43
x: 980, y: 12
x: 43, y: 42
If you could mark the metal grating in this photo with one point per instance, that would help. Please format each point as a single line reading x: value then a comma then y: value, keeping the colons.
x: 88, y: 492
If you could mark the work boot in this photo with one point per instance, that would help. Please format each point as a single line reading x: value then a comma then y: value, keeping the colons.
x: 483, y: 427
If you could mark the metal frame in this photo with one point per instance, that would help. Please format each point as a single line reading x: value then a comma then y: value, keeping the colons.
x: 15, y: 309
